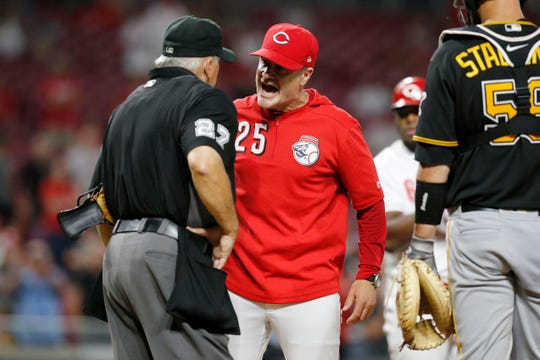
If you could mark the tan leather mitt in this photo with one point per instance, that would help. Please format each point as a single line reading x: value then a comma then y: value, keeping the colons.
x: 99, y: 197
x: 423, y: 306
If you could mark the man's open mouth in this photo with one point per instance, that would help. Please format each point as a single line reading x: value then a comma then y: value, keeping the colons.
x: 269, y: 88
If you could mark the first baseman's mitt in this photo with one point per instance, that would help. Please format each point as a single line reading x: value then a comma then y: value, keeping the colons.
x: 423, y: 306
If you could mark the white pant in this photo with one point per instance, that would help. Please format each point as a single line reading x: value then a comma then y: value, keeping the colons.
x: 307, y: 330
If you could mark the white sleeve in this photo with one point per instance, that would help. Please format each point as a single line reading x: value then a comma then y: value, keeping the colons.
x: 398, y: 181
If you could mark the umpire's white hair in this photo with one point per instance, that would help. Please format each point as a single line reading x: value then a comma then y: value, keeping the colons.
x: 190, y: 63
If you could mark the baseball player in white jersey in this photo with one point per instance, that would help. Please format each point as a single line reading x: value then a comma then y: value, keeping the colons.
x: 397, y: 172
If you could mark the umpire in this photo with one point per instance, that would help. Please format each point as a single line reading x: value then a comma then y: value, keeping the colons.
x: 167, y: 163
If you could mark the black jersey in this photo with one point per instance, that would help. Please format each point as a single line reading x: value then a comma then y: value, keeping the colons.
x: 143, y: 165
x: 480, y: 77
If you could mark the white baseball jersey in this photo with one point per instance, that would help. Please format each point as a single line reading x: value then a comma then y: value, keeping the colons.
x: 397, y: 172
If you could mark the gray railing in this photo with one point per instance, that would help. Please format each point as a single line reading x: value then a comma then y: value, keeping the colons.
x: 25, y: 338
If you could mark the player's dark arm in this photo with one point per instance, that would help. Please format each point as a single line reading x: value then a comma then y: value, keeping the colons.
x: 399, y: 228
x: 433, y: 174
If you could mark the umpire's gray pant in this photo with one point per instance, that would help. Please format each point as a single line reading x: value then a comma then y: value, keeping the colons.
x: 138, y: 278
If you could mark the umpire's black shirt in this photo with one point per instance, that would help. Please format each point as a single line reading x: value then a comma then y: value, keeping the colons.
x: 143, y: 165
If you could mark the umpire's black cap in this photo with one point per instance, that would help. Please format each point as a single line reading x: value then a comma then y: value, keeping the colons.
x: 189, y: 36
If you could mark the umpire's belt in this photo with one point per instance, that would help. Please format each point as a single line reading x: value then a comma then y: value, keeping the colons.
x: 160, y: 226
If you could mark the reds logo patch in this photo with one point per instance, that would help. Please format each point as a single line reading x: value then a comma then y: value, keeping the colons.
x: 281, y: 38
x: 412, y: 91
x: 306, y: 150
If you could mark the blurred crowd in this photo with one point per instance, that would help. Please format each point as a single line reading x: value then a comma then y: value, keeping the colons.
x: 67, y: 64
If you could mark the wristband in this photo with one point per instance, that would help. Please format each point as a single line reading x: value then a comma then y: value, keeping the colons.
x: 430, y: 202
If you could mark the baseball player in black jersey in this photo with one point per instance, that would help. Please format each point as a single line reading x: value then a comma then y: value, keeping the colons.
x: 478, y: 144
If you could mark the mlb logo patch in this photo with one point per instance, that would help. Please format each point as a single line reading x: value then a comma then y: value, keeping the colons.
x: 512, y: 27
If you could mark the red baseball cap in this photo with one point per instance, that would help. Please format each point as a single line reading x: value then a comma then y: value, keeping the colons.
x: 408, y: 92
x: 290, y: 46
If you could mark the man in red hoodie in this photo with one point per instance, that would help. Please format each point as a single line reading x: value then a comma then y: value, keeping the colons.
x: 300, y: 161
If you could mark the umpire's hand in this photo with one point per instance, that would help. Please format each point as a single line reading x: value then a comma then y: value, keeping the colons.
x: 222, y: 243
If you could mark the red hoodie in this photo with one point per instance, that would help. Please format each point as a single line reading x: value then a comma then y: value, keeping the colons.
x: 293, y: 174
